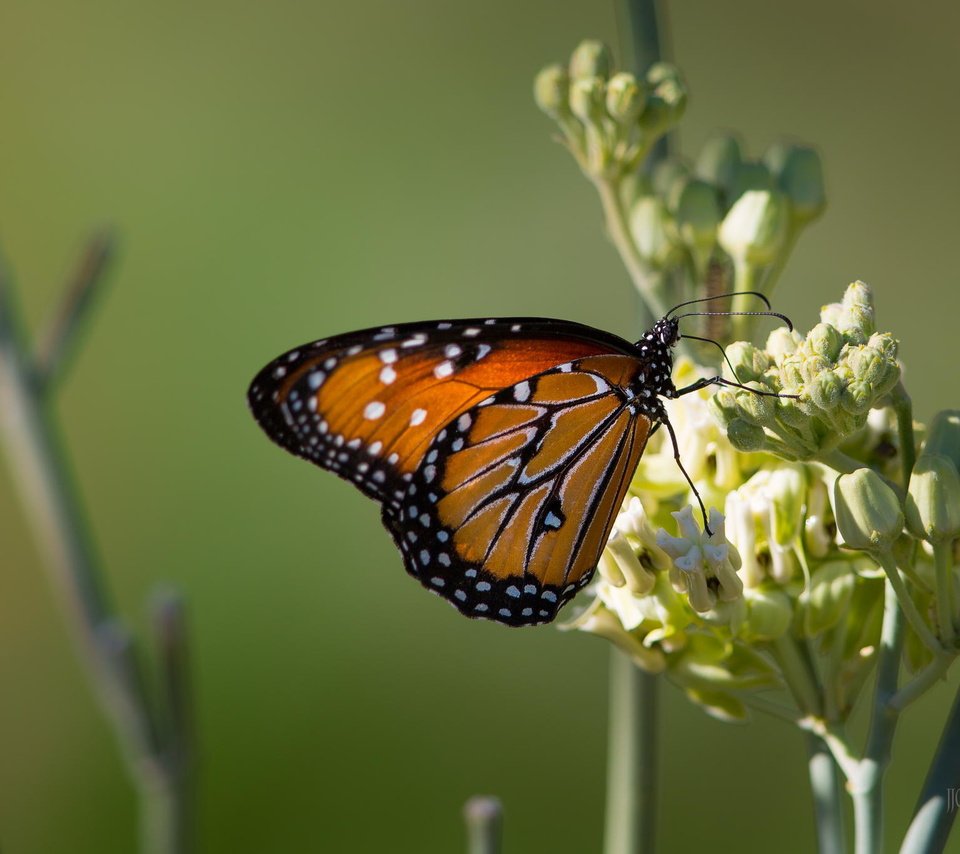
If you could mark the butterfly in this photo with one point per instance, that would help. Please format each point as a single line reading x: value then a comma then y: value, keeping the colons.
x: 500, y: 450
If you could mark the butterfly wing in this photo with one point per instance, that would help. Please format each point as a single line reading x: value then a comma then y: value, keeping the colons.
x: 508, y: 512
x: 367, y: 405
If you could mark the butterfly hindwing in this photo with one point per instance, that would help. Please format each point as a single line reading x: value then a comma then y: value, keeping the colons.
x: 513, y: 502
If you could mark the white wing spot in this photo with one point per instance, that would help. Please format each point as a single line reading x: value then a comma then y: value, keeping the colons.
x: 374, y: 410
x: 464, y: 422
x: 418, y: 417
x: 444, y: 369
x: 490, y: 322
x: 316, y: 379
x: 279, y: 371
x: 444, y: 325
x: 471, y: 332
x: 530, y: 589
x: 451, y: 351
x: 415, y: 340
x: 388, y: 356
x: 356, y: 348
x: 375, y: 448
x: 387, y: 375
x: 521, y: 391
x: 482, y: 351
x: 330, y: 363
x: 483, y: 586
x: 513, y: 591
x: 393, y: 458
x: 516, y: 327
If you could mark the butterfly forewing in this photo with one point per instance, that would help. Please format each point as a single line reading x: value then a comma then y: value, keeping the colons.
x: 513, y: 502
x: 368, y: 404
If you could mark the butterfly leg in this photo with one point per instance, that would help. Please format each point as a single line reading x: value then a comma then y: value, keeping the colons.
x: 699, y: 384
x: 676, y: 456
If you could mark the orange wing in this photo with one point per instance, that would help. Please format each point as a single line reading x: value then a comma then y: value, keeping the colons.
x: 511, y: 506
x: 367, y: 405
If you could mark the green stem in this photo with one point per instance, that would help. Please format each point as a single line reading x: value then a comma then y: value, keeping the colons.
x: 923, y: 681
x: 886, y: 561
x: 797, y: 675
x: 39, y: 464
x: 903, y: 409
x: 839, y: 461
x: 643, y: 276
x: 866, y: 788
x: 744, y: 279
x: 632, y: 759
x: 827, y: 796
x: 943, y: 563
x: 938, y: 805
x: 484, y: 819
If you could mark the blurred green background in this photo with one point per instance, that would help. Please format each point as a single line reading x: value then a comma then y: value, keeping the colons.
x: 280, y: 172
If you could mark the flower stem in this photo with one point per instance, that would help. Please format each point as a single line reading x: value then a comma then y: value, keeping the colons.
x: 886, y: 561
x: 827, y: 796
x: 484, y: 819
x: 937, y: 805
x: 39, y: 463
x: 632, y: 760
x: 903, y: 409
x: 799, y: 679
x: 943, y: 563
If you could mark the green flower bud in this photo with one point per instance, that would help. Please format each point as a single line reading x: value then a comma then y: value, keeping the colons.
x: 751, y: 176
x: 933, y: 500
x: 770, y: 613
x: 799, y: 174
x: 854, y: 315
x: 720, y: 705
x: 825, y: 601
x: 551, y: 91
x: 782, y: 342
x: 696, y: 209
x: 719, y: 162
x: 649, y: 224
x: 943, y: 437
x: 590, y: 58
x: 867, y: 511
x: 626, y: 97
x: 749, y: 362
x: 587, y: 99
x: 826, y: 341
x: 754, y: 229
x: 667, y: 98
x: 666, y: 174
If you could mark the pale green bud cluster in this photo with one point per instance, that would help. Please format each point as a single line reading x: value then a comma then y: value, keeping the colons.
x: 841, y: 370
x: 610, y: 119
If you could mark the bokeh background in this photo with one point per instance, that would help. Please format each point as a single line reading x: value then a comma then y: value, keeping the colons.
x: 279, y: 172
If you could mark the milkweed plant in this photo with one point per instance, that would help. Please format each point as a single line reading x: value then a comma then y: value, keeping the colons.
x: 830, y: 579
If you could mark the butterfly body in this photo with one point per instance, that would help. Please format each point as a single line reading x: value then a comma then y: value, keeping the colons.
x: 500, y: 450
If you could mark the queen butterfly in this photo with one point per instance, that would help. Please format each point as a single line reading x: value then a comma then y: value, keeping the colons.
x: 500, y: 450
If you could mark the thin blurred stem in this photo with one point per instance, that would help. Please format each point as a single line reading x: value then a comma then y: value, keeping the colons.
x: 938, y: 805
x: 827, y: 796
x: 39, y: 463
x: 83, y: 287
x: 866, y: 788
x: 644, y: 278
x: 484, y: 819
x: 632, y: 758
x: 800, y: 680
x: 943, y: 562
x: 903, y: 409
x: 923, y: 681
x: 887, y: 562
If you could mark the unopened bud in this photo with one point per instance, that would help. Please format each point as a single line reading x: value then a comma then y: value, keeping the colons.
x: 754, y: 229
x: 591, y: 58
x: 551, y: 91
x: 626, y: 97
x: 933, y: 500
x: 867, y: 511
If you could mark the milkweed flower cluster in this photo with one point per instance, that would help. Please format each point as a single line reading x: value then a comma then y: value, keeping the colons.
x: 800, y: 552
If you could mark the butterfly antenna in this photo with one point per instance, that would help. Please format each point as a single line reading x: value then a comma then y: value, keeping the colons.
x: 719, y: 346
x: 756, y: 294
x: 776, y: 314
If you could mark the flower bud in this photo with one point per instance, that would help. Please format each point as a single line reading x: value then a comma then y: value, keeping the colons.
x: 551, y: 91
x: 943, y: 437
x: 649, y: 224
x: 826, y: 341
x: 587, y: 99
x: 825, y: 600
x: 591, y: 58
x: 751, y: 176
x: 799, y: 174
x: 621, y: 567
x: 719, y: 162
x: 666, y: 174
x: 867, y: 511
x: 933, y: 500
x: 770, y: 613
x: 696, y: 210
x: 754, y: 229
x: 626, y: 97
x: 667, y: 98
